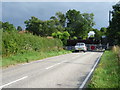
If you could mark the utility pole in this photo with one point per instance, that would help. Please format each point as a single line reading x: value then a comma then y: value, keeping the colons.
x: 110, y: 12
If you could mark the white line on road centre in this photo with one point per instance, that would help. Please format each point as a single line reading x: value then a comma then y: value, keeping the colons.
x: 59, y: 63
x: 88, y: 76
x: 13, y: 82
x: 53, y: 66
x: 41, y: 60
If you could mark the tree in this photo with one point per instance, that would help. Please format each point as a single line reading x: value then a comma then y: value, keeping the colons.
x: 60, y: 17
x: 39, y: 27
x: 0, y: 25
x: 34, y: 25
x: 88, y: 21
x: 79, y: 24
x: 19, y: 28
x: 60, y: 20
x: 61, y: 35
x: 113, y: 31
x: 8, y: 27
x: 98, y: 34
x: 103, y: 29
x: 75, y: 23
x: 43, y: 28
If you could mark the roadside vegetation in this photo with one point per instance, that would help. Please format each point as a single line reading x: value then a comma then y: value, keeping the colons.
x: 113, y: 31
x: 19, y: 48
x: 13, y: 42
x: 0, y: 47
x: 107, y: 74
x: 25, y: 47
x: 29, y: 56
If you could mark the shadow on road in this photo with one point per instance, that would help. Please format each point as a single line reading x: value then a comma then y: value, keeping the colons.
x: 86, y: 51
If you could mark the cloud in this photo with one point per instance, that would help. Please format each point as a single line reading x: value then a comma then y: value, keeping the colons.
x: 17, y: 12
x: 60, y: 0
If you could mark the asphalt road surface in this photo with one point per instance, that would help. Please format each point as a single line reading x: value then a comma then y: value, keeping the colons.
x: 64, y: 71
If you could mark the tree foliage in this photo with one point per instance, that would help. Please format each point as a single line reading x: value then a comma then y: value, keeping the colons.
x: 0, y: 25
x: 42, y: 28
x: 103, y: 29
x: 113, y: 31
x: 19, y: 28
x: 62, y: 18
x: 8, y: 27
x: 14, y: 42
x: 61, y: 35
x: 75, y: 23
x: 79, y: 24
x: 98, y: 34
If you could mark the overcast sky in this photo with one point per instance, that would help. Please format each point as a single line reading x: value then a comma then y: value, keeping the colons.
x: 17, y: 12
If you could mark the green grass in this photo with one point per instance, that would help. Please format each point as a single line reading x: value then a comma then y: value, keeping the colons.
x: 107, y: 74
x: 29, y: 56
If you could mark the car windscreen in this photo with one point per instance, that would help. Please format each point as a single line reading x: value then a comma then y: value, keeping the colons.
x: 81, y: 44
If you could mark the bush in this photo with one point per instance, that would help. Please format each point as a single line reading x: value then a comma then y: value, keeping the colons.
x: 116, y: 50
x: 61, y: 35
x: 13, y: 42
x: 107, y: 74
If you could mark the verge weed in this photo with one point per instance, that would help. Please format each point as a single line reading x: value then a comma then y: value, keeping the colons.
x: 29, y: 56
x: 107, y: 73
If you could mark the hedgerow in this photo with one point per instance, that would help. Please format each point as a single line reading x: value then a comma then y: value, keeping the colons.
x: 14, y: 42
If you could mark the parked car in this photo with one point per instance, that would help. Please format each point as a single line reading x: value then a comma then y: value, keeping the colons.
x: 80, y: 47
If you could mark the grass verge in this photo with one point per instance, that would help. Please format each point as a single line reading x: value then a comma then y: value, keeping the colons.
x: 107, y: 74
x: 29, y: 56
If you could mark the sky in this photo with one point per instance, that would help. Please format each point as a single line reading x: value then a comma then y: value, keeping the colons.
x: 17, y: 12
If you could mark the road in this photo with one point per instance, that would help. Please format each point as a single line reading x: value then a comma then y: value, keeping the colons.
x: 64, y: 71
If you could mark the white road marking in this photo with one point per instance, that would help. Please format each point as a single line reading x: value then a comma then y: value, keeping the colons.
x: 55, y: 64
x: 88, y: 76
x: 52, y: 66
x: 43, y: 60
x: 61, y: 62
x: 13, y: 82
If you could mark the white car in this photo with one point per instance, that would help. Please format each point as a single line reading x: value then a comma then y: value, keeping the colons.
x: 80, y: 47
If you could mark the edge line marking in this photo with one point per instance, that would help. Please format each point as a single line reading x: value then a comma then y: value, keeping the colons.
x: 88, y: 76
x: 13, y: 82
